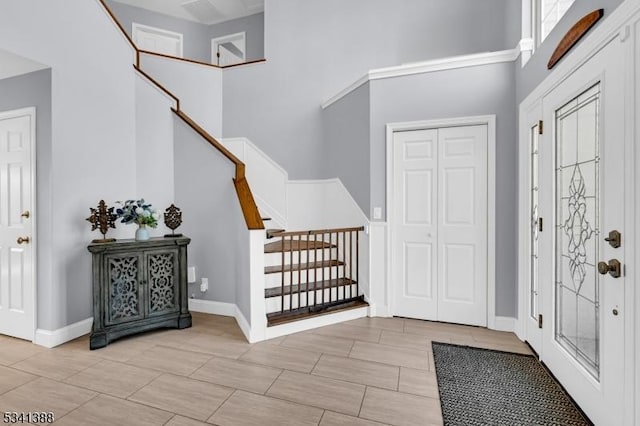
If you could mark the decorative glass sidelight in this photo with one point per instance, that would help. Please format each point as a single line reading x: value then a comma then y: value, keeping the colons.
x: 577, y: 228
x: 535, y: 219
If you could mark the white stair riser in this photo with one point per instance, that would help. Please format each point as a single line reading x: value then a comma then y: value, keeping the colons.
x: 273, y: 304
x: 275, y: 280
x: 303, y: 256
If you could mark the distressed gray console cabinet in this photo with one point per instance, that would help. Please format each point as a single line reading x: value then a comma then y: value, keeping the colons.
x: 138, y: 286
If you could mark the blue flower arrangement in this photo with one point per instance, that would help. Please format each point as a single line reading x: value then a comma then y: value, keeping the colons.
x: 137, y: 211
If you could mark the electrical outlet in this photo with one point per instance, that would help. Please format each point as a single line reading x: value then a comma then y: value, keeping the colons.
x: 204, y: 285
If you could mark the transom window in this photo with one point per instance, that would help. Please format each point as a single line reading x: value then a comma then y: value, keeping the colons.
x: 546, y: 15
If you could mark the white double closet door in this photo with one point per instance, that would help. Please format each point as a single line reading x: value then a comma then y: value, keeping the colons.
x: 439, y: 224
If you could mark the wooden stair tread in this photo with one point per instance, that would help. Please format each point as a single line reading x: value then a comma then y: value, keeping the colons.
x: 277, y: 318
x: 302, y: 266
x: 295, y: 245
x: 318, y: 285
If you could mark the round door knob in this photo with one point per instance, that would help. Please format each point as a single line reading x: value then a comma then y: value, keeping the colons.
x: 23, y: 240
x: 603, y: 268
x: 613, y: 267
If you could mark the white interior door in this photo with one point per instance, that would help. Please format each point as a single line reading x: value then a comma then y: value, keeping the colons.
x: 17, y: 302
x: 414, y: 246
x: 157, y: 40
x: 229, y: 50
x: 462, y: 225
x: 439, y: 224
x: 584, y: 199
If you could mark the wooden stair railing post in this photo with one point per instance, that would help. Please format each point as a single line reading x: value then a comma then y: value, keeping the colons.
x: 315, y: 268
x: 282, y: 275
x: 350, y: 264
x: 322, y: 240
x: 299, y: 271
x: 291, y: 273
x: 308, y: 263
x: 357, y: 264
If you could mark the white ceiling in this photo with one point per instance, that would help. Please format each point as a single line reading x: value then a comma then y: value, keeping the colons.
x: 12, y: 65
x: 203, y: 11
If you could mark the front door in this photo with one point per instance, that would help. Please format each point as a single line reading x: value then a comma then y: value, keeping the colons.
x: 583, y: 199
x: 439, y: 224
x: 17, y: 303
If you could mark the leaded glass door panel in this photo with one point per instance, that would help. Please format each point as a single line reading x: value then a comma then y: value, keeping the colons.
x: 582, y: 198
x: 532, y: 128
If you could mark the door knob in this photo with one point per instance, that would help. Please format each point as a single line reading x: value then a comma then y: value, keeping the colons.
x: 26, y: 214
x: 23, y: 240
x: 613, y: 268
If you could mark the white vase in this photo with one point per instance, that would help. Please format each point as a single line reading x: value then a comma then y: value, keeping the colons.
x: 142, y: 233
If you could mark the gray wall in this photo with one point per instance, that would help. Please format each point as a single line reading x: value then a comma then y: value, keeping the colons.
x: 316, y: 48
x: 463, y: 92
x: 34, y: 90
x: 347, y: 128
x: 197, y: 37
x: 212, y: 216
x: 535, y: 70
x: 252, y: 25
x: 512, y: 23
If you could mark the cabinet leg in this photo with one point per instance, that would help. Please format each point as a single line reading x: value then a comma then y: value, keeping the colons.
x: 98, y: 340
x: 184, y: 321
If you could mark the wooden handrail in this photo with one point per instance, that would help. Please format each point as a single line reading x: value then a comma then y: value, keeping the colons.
x: 177, y: 58
x: 316, y: 232
x: 213, y: 141
x: 122, y: 30
x: 194, y: 61
x: 245, y: 196
x: 158, y: 85
x: 248, y: 204
x: 239, y: 64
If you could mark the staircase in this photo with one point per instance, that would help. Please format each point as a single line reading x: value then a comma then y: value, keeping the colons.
x: 310, y: 273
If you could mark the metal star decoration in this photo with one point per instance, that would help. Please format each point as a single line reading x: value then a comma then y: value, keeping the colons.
x: 173, y: 219
x: 102, y: 217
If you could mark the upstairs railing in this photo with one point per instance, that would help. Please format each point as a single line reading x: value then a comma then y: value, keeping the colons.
x: 319, y: 270
x: 245, y: 196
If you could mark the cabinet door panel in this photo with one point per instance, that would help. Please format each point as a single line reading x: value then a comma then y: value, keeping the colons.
x: 123, y: 299
x: 162, y: 282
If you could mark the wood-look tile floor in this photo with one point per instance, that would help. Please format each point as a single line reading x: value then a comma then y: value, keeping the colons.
x: 369, y: 371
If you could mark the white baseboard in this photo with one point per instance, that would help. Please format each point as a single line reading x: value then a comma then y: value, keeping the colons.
x: 212, y: 307
x: 53, y: 338
x: 379, y: 311
x: 505, y: 324
x: 225, y: 310
x: 244, y: 326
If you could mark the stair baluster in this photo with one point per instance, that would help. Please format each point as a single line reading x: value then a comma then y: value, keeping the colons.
x: 331, y: 271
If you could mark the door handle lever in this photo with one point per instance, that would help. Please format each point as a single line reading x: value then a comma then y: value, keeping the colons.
x: 23, y: 240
